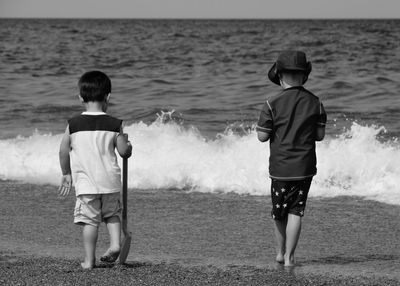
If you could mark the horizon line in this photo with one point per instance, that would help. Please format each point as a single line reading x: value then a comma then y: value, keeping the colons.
x: 197, y: 18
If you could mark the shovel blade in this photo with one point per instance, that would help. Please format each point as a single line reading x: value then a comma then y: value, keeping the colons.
x: 126, y: 245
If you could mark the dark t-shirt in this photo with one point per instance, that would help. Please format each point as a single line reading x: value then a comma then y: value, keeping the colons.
x: 291, y: 118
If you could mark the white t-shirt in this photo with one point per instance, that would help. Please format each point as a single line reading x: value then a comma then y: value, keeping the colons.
x: 94, y: 163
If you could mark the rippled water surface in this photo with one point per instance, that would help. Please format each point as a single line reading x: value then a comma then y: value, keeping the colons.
x: 212, y: 73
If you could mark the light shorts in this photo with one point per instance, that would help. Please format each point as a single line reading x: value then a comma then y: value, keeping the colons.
x: 93, y: 209
x: 289, y: 197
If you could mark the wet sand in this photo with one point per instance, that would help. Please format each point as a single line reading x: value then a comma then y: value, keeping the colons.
x: 194, y: 239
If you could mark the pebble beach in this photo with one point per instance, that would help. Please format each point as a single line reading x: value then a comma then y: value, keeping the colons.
x: 189, y: 238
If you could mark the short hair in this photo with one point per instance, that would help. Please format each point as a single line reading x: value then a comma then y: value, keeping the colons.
x: 293, y: 75
x: 94, y: 86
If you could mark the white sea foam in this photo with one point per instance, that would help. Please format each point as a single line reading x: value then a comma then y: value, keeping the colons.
x: 168, y: 155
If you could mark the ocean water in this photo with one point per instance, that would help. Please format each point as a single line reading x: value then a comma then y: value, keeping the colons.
x: 190, y: 92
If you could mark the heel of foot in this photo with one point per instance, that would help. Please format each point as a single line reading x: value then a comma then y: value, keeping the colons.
x: 280, y: 259
x: 289, y: 262
x: 87, y: 266
x: 110, y: 256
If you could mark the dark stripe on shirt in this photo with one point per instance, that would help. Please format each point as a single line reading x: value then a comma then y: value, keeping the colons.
x: 94, y: 123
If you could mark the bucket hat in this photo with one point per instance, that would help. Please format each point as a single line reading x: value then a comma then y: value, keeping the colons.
x: 289, y: 61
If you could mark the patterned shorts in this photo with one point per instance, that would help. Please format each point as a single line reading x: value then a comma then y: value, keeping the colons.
x: 289, y: 197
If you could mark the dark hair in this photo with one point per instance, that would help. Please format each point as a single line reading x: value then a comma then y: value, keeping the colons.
x: 293, y: 73
x: 94, y: 86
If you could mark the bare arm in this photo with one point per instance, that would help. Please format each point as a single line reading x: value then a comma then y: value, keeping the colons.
x: 320, y: 134
x: 263, y: 136
x: 66, y: 180
x: 123, y: 145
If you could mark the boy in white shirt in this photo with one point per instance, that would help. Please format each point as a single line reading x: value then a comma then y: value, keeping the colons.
x: 88, y: 158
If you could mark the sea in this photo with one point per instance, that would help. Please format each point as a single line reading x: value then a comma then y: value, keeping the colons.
x: 190, y: 93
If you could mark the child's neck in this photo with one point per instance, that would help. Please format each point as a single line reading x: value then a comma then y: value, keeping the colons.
x: 95, y: 106
x: 286, y: 85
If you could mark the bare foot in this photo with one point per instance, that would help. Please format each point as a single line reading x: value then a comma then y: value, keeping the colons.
x: 279, y: 258
x: 289, y: 261
x: 111, y: 255
x: 87, y: 266
x: 289, y: 264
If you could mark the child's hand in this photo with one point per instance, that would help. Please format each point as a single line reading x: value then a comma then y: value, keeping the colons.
x: 66, y: 185
x: 128, y: 143
x: 124, y: 146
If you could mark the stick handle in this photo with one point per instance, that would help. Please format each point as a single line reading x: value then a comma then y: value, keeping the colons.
x: 124, y: 192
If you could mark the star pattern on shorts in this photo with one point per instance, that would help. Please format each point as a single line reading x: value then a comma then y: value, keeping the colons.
x: 301, y: 213
x: 284, y: 205
x: 300, y: 192
x: 283, y: 190
x: 276, y: 193
x: 300, y: 203
x: 278, y: 206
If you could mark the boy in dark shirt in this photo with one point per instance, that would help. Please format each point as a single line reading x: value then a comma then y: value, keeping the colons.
x: 292, y: 120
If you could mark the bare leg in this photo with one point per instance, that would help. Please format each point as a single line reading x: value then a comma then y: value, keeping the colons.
x: 90, y: 234
x: 293, y: 229
x: 280, y: 234
x: 114, y: 229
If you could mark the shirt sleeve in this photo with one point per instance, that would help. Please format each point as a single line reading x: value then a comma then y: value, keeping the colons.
x: 322, y: 116
x: 265, y: 122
